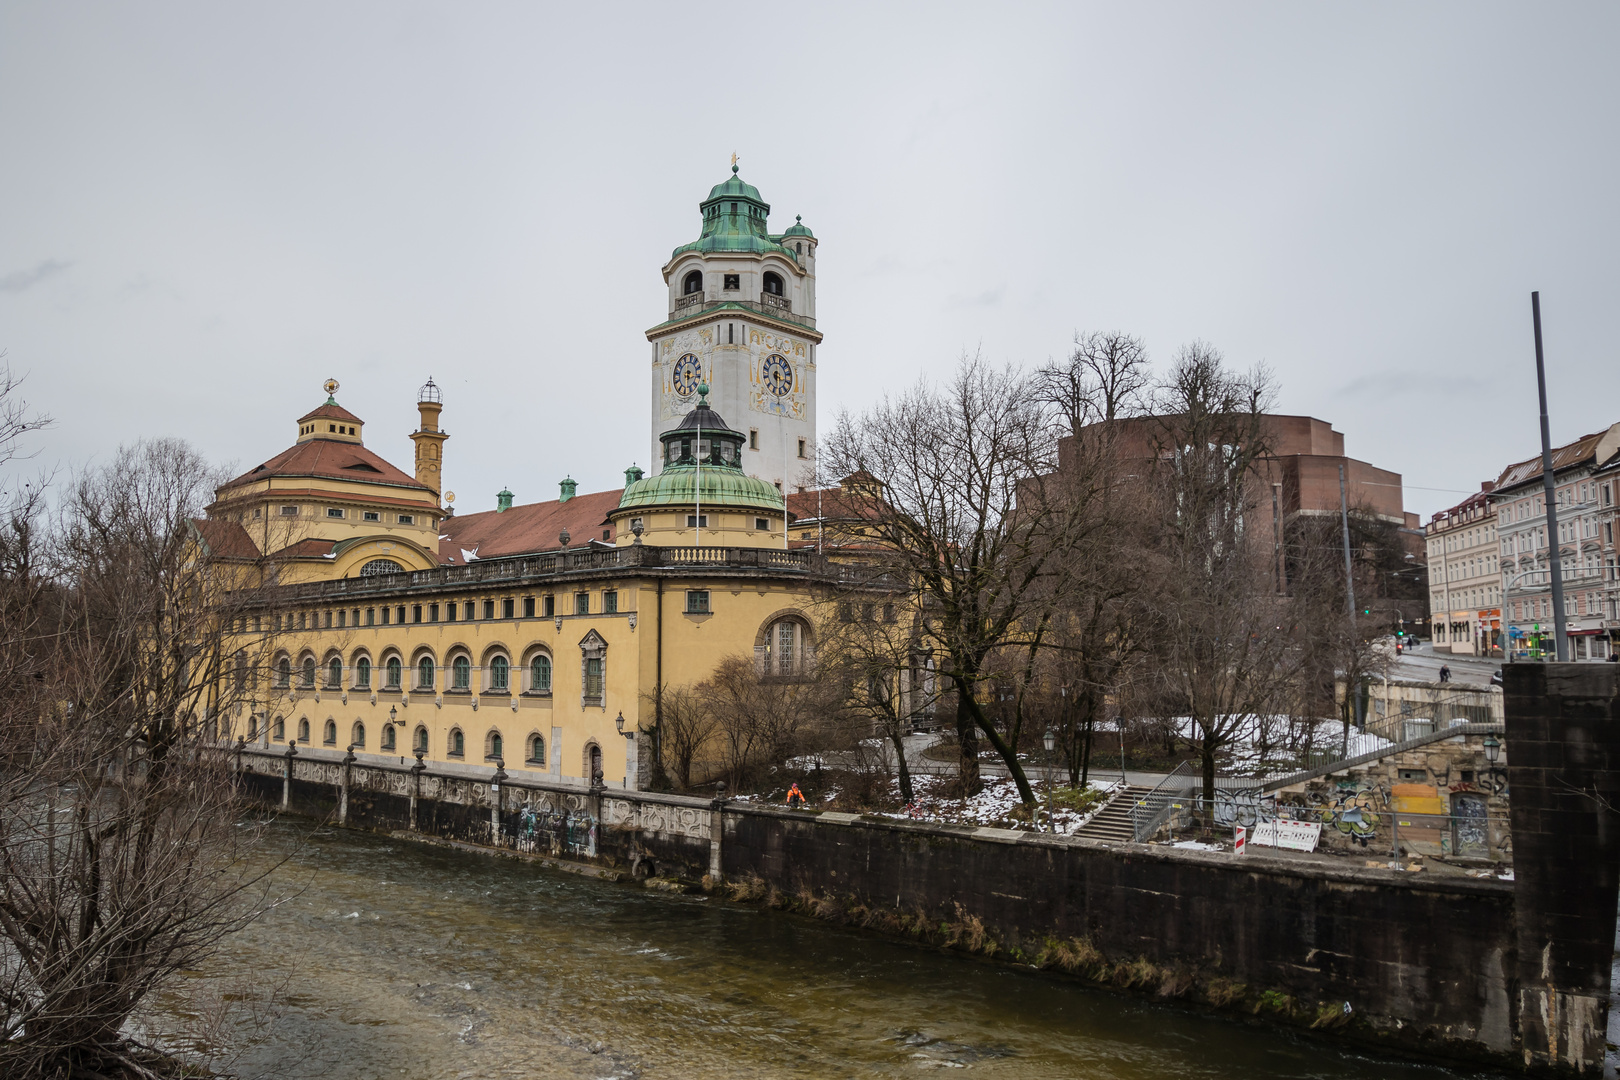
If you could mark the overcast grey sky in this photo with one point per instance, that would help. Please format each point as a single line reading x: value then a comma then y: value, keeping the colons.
x: 211, y: 208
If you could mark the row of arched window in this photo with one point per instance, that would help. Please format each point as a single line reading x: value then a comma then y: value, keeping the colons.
x: 497, y: 677
x: 534, y: 746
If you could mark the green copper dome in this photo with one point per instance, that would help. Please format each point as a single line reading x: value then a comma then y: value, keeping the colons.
x: 735, y: 218
x: 798, y: 228
x: 702, y: 445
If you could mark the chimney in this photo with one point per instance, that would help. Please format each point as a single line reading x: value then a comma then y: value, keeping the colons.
x: 503, y: 501
x: 568, y: 485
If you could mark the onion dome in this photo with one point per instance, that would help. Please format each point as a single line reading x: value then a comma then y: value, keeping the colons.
x: 798, y: 228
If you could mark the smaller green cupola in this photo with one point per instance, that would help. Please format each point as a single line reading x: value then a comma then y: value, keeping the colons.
x: 702, y: 466
x: 503, y: 501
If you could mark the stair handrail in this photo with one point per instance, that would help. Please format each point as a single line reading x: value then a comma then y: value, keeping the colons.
x: 1151, y: 810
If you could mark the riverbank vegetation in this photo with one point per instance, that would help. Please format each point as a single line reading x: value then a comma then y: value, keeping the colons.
x: 121, y: 844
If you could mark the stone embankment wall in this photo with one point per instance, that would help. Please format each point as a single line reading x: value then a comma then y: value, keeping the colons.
x: 1373, y: 954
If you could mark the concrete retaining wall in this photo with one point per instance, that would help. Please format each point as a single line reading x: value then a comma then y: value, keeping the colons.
x: 1376, y: 955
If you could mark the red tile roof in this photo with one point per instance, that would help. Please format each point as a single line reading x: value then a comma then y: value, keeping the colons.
x: 330, y: 411
x: 523, y: 530
x: 332, y: 459
x: 225, y: 539
x: 310, y: 548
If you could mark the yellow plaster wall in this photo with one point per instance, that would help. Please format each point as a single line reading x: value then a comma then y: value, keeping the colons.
x: 692, y: 646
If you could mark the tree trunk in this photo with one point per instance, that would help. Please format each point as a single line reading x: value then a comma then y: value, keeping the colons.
x: 967, y: 737
x: 1207, y: 759
x: 905, y: 771
x: 1008, y: 755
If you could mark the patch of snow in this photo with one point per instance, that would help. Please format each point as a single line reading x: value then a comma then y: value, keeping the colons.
x: 469, y: 556
x: 1196, y: 845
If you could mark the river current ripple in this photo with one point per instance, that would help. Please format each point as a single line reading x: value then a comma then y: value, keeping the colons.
x: 404, y: 961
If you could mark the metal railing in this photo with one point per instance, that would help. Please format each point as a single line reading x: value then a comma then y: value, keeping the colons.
x: 1152, y: 810
x: 538, y: 566
x: 779, y: 304
x: 777, y: 308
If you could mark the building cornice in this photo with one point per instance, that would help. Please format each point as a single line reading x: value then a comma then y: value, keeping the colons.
x: 733, y: 309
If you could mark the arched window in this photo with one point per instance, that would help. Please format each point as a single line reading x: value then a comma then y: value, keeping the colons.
x: 303, y: 731
x: 424, y: 673
x: 593, y: 761
x: 393, y: 674
x: 773, y: 283
x: 693, y: 283
x: 253, y: 725
x: 362, y: 672
x: 329, y: 736
x: 458, y: 746
x: 334, y: 673
x: 498, y: 677
x: 540, y: 674
x: 280, y: 731
x: 309, y: 671
x: 388, y: 737
x: 357, y: 735
x: 460, y: 673
x: 283, y: 673
x: 492, y: 745
x: 537, y: 750
x: 380, y: 566
x: 422, y: 739
x: 785, y: 648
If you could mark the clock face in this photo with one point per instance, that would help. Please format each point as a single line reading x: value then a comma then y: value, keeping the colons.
x: 777, y: 374
x: 687, y: 374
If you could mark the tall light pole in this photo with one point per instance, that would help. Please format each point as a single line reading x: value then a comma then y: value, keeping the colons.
x: 1550, y: 486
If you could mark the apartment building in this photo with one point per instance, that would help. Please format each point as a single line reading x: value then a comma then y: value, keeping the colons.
x: 1585, y: 472
x: 1465, y: 579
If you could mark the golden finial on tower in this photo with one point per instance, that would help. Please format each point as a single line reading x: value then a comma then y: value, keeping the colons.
x: 734, y: 161
x: 331, y: 388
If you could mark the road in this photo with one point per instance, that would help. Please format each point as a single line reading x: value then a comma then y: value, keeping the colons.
x: 1425, y: 664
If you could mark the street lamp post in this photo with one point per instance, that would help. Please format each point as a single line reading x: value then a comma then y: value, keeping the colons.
x: 1050, y: 741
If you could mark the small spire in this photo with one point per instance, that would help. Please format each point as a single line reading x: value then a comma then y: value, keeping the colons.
x: 734, y: 163
x: 798, y: 219
x: 703, y: 394
x: 331, y: 388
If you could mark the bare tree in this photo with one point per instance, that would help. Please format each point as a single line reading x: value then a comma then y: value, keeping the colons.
x: 1105, y: 378
x: 762, y: 719
x: 1222, y: 656
x: 870, y: 644
x: 971, y: 517
x: 685, y: 728
x: 119, y: 838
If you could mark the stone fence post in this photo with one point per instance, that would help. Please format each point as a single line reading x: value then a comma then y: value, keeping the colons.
x: 416, y: 787
x: 717, y: 828
x: 497, y: 789
x: 1563, y: 751
x: 286, y: 773
x: 343, y: 792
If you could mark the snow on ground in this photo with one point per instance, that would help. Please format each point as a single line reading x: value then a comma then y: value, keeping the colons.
x: 992, y: 806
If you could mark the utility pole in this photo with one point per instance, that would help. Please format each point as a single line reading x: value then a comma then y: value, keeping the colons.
x: 1350, y: 599
x: 1550, y: 486
x: 1344, y: 531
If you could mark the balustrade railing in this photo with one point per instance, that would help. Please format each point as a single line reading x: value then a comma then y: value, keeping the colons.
x: 533, y: 566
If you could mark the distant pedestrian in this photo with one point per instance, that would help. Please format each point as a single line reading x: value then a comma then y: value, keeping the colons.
x: 1445, y: 673
x: 795, y: 793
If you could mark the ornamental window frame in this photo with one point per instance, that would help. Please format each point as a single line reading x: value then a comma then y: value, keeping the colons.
x: 593, y: 671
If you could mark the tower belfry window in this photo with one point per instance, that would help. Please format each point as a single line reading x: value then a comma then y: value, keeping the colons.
x: 733, y: 281
x: 773, y: 283
x: 693, y: 283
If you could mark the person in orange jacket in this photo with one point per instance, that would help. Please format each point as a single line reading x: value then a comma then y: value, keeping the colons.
x: 795, y: 793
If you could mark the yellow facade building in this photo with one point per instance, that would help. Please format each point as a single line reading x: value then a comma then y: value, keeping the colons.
x: 532, y: 637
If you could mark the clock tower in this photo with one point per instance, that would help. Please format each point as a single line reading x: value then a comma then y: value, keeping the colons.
x: 742, y: 318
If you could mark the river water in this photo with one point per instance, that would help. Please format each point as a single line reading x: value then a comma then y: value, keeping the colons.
x: 402, y: 961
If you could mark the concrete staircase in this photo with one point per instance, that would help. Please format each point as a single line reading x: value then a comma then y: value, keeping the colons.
x: 1113, y: 822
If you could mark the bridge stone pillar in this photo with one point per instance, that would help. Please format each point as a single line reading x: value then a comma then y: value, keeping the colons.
x: 1563, y: 752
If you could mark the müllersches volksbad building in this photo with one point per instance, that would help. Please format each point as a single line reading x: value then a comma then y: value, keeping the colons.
x: 536, y: 636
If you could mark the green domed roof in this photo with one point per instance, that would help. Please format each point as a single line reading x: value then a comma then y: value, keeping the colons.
x: 724, y: 484
x: 735, y: 219
x: 799, y: 228
x: 722, y: 488
x: 734, y: 188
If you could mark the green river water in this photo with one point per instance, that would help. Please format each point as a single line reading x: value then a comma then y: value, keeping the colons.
x: 402, y: 961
